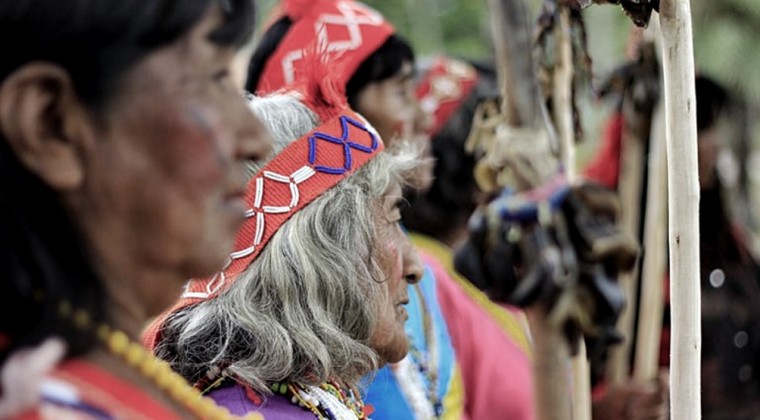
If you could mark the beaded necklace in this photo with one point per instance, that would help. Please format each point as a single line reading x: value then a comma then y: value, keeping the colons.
x: 326, y: 401
x: 148, y: 366
x: 427, y: 403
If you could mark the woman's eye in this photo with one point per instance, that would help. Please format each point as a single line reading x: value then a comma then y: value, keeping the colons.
x: 394, y: 213
x: 407, y: 100
x: 221, y: 76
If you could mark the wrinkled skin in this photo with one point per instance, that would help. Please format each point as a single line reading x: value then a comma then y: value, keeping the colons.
x: 401, y: 266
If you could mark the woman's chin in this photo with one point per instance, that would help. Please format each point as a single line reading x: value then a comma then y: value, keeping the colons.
x: 396, y: 351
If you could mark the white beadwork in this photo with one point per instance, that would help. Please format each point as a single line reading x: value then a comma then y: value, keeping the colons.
x: 351, y: 17
x: 339, y: 410
x: 413, y: 388
x: 447, y: 86
x: 258, y: 211
x: 216, y: 282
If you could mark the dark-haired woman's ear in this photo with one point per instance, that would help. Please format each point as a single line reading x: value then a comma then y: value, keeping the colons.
x: 45, y: 124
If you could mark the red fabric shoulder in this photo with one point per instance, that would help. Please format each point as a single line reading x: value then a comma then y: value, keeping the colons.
x: 604, y: 168
x: 85, y: 386
x: 486, y: 355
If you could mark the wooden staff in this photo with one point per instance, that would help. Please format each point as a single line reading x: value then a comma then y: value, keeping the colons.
x: 638, y: 128
x: 550, y: 368
x: 653, y: 266
x: 581, y: 384
x: 631, y: 176
x: 562, y: 104
x: 651, y: 304
x: 562, y: 99
x: 683, y: 208
x: 514, y: 65
x: 521, y: 108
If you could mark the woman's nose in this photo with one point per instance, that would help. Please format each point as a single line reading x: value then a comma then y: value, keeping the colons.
x: 424, y: 120
x: 413, y: 267
x: 254, y: 140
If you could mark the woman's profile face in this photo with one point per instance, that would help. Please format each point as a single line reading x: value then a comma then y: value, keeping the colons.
x: 164, y: 182
x: 401, y: 266
x: 391, y: 106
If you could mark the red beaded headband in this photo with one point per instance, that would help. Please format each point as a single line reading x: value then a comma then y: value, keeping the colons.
x: 299, y: 174
x: 444, y: 87
x: 348, y: 32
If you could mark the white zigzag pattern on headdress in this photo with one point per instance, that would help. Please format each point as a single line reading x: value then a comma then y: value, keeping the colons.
x: 297, y: 177
x: 352, y: 16
x: 293, y: 180
x: 445, y: 87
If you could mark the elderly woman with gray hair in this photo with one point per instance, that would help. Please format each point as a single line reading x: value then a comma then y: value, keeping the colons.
x: 312, y: 300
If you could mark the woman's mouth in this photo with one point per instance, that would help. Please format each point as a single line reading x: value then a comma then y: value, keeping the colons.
x: 401, y: 312
x: 236, y: 202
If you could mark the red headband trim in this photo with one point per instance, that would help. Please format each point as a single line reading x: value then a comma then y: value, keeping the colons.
x: 345, y: 31
x: 443, y: 89
x: 298, y: 175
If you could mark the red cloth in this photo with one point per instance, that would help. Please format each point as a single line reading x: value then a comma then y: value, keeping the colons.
x: 497, y: 374
x: 605, y: 166
x: 87, y: 388
x: 443, y: 88
x: 346, y: 31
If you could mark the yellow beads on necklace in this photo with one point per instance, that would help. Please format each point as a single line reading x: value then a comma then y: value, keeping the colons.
x: 161, y: 374
x: 153, y: 369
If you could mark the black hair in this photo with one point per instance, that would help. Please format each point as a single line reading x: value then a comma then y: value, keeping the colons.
x: 43, y: 260
x: 712, y: 99
x: 383, y: 63
x: 96, y: 42
x: 269, y: 42
x: 451, y: 199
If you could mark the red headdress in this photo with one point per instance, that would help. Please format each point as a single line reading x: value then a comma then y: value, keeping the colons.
x: 443, y: 88
x: 348, y: 32
x: 300, y: 173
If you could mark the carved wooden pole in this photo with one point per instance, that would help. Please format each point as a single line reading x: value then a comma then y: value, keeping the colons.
x: 683, y: 208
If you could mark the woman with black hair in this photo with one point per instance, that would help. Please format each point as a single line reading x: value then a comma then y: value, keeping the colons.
x: 122, y: 138
x: 364, y: 52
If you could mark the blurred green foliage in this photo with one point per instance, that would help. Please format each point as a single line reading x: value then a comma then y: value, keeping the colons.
x: 453, y: 27
x: 725, y: 42
x: 725, y: 34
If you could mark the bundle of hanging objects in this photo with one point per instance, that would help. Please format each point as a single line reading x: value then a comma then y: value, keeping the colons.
x: 543, y: 240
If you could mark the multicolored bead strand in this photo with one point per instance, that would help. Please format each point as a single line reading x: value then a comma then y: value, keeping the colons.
x: 326, y: 401
x: 151, y: 368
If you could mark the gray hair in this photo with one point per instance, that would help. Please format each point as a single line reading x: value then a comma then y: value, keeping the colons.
x: 304, y: 310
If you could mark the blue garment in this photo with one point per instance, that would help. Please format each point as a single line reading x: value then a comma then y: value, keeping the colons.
x: 385, y: 393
